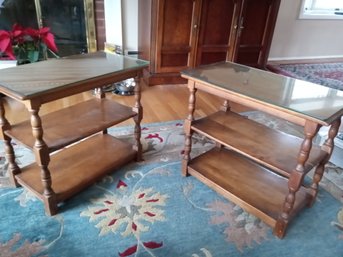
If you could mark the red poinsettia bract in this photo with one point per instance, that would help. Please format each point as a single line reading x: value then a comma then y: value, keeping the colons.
x: 19, y: 36
x: 43, y: 34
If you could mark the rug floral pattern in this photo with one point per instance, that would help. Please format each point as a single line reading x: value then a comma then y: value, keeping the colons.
x: 326, y: 74
x: 149, y: 209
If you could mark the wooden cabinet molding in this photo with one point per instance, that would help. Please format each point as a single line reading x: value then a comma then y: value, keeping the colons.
x: 179, y: 34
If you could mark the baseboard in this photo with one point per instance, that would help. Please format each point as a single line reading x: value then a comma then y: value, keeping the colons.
x: 299, y: 59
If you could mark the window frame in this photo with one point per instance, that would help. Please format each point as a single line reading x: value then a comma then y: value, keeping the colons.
x: 326, y: 14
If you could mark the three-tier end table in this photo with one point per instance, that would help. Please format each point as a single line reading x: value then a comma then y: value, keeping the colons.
x: 255, y: 166
x: 79, y: 132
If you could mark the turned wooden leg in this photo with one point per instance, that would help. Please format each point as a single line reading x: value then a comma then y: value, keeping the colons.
x: 138, y: 118
x: 13, y: 168
x: 187, y: 148
x: 99, y: 93
x: 43, y: 158
x: 296, y: 179
x: 225, y: 107
x: 187, y: 128
x: 327, y: 147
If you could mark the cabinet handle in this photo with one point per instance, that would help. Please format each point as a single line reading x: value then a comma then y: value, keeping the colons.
x: 235, y: 27
x: 195, y: 26
x: 241, y: 23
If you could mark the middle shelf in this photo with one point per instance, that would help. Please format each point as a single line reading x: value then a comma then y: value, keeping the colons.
x: 271, y: 148
x: 74, y: 123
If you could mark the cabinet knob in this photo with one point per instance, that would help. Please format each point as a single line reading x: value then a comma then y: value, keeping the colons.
x: 195, y: 26
x: 241, y: 23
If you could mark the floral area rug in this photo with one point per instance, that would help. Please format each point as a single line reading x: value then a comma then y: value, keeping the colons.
x: 326, y: 74
x: 332, y: 180
x: 149, y: 209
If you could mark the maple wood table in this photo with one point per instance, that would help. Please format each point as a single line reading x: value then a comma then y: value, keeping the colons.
x: 56, y: 177
x: 255, y: 166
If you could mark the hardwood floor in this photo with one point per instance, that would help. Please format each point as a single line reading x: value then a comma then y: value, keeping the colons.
x: 160, y: 103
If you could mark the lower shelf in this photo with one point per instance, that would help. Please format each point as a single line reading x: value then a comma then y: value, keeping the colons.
x: 256, y: 189
x: 79, y: 166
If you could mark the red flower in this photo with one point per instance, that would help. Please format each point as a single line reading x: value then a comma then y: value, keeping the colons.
x: 45, y: 35
x: 19, y: 36
x: 156, y: 135
x: 5, y: 44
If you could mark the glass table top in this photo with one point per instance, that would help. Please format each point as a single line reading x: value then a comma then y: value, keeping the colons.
x: 316, y: 101
x: 26, y: 81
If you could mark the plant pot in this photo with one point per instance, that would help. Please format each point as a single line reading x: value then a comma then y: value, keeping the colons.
x: 27, y: 57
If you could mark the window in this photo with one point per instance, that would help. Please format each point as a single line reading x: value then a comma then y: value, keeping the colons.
x: 321, y: 9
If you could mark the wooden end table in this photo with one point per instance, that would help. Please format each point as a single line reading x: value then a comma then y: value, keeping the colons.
x: 255, y: 166
x: 53, y: 178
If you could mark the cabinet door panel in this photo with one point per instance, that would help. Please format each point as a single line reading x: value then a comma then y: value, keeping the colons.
x: 215, y: 31
x: 174, y: 26
x: 175, y: 60
x: 256, y: 27
x: 212, y: 57
x: 246, y: 56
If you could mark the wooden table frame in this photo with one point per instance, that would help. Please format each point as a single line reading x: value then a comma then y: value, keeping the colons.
x: 42, y: 150
x: 294, y: 176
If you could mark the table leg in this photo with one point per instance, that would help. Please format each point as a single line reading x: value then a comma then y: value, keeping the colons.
x: 13, y: 168
x: 138, y: 118
x: 296, y: 178
x: 99, y: 93
x: 225, y: 107
x: 327, y: 147
x: 43, y: 158
x: 187, y: 128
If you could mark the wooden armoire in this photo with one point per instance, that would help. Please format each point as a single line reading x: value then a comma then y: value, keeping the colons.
x: 178, y: 34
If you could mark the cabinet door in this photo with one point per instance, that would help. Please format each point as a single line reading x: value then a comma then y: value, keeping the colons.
x: 255, y: 31
x: 216, y: 30
x: 174, y: 37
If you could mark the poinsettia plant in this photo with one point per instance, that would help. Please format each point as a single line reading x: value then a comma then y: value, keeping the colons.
x: 26, y: 44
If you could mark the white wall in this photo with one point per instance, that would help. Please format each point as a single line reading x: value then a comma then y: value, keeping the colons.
x: 7, y: 63
x: 113, y: 22
x: 302, y: 39
x: 130, y: 24
x: 121, y: 23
